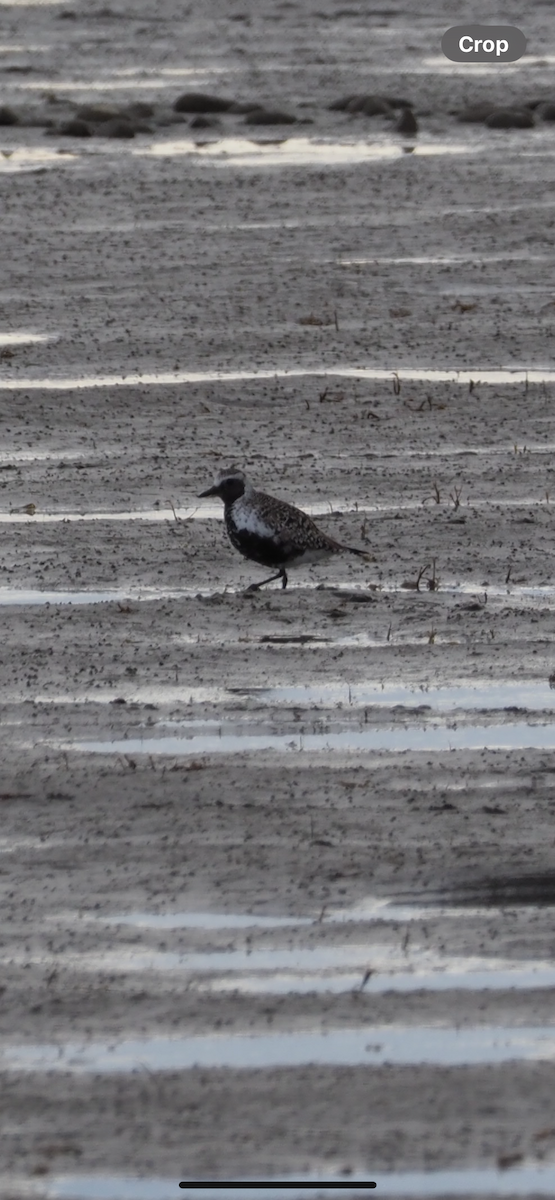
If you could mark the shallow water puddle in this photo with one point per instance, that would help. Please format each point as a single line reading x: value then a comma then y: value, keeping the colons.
x: 9, y: 596
x: 19, y: 157
x: 171, y: 378
x: 534, y: 696
x: 371, y: 909
x: 283, y: 984
x: 333, y: 507
x: 204, y: 512
x: 305, y: 969
x: 146, y: 514
x: 524, y: 1180
x: 372, y: 1046
x: 445, y: 260
x: 293, y: 151
x: 480, y: 695
x: 204, y: 920
x: 112, y: 81
x: 413, y: 738
x: 23, y: 339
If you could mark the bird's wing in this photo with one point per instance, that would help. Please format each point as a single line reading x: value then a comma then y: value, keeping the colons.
x: 292, y: 528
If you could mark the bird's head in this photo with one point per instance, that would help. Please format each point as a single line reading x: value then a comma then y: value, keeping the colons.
x: 229, y: 485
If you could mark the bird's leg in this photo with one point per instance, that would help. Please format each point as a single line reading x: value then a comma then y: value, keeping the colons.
x: 281, y: 574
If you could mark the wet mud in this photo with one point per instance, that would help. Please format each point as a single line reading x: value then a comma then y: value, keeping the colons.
x: 276, y: 869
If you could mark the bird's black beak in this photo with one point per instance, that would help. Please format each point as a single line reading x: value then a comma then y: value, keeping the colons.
x: 211, y: 491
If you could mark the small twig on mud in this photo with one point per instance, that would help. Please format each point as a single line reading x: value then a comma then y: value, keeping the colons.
x: 455, y: 496
x: 434, y: 581
x: 336, y: 320
x: 176, y: 518
x: 420, y: 576
x: 508, y: 575
x: 432, y: 637
x: 436, y: 495
x: 396, y: 384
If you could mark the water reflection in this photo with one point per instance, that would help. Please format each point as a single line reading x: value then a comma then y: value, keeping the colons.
x: 476, y: 376
x: 524, y: 1180
x: 22, y: 339
x: 291, y: 151
x: 518, y: 736
x: 371, y: 1046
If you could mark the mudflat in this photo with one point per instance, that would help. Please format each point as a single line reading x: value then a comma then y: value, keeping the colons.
x: 233, y: 822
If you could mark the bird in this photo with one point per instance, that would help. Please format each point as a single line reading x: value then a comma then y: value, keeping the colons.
x: 270, y: 531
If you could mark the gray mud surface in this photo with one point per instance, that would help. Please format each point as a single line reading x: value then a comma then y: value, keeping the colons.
x: 203, y: 298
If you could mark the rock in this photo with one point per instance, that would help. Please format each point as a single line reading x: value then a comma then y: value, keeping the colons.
x: 269, y: 116
x: 363, y: 103
x: 375, y: 106
x: 476, y: 114
x: 510, y: 118
x: 199, y: 102
x: 397, y: 102
x: 97, y: 113
x: 8, y: 116
x: 244, y: 106
x: 118, y: 128
x: 201, y: 122
x: 36, y: 120
x: 547, y: 111
x: 407, y: 123
x: 371, y: 106
x: 75, y: 128
x: 138, y: 109
x: 341, y: 105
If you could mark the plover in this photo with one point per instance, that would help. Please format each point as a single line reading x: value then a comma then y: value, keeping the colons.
x: 269, y: 531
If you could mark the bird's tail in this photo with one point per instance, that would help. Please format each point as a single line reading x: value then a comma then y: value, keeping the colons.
x: 361, y: 553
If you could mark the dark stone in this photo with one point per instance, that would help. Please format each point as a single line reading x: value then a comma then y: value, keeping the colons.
x: 341, y: 104
x: 199, y: 102
x: 244, y: 106
x: 118, y: 128
x: 97, y: 113
x: 397, y: 102
x: 75, y: 128
x: 138, y: 108
x: 407, y: 122
x: 354, y: 103
x: 374, y: 106
x: 36, y: 121
x: 8, y: 116
x: 510, y: 118
x: 371, y: 106
x: 476, y: 114
x: 269, y: 116
x: 201, y: 122
x: 547, y: 111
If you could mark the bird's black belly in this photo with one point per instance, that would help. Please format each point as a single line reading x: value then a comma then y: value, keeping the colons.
x: 258, y: 549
